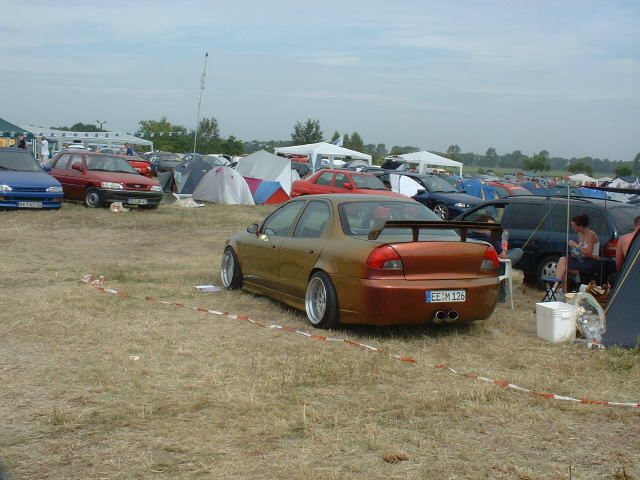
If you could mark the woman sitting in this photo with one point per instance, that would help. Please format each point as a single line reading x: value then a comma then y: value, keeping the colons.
x: 585, y: 253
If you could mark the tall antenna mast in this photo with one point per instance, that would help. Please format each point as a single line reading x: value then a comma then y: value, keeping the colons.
x: 204, y: 71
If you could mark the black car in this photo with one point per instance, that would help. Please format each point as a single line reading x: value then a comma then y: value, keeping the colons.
x: 440, y: 196
x: 538, y: 225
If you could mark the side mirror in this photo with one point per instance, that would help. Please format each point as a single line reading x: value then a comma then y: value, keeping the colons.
x: 421, y: 191
x: 348, y: 186
x: 47, y: 168
x: 253, y: 228
x: 77, y: 166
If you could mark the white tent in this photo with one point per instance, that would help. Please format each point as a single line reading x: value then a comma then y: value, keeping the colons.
x: 316, y: 151
x: 427, y: 158
x: 110, y: 139
x: 404, y: 185
x: 223, y: 185
x: 266, y: 166
x: 582, y: 178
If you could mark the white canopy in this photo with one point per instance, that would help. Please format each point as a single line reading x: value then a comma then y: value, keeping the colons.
x: 87, y: 138
x: 582, y: 178
x: 424, y: 158
x: 323, y: 149
x: 266, y: 166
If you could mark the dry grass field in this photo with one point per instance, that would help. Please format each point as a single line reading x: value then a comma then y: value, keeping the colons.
x: 95, y: 386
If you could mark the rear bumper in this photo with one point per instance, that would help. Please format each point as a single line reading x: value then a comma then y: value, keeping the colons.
x: 402, y: 302
x: 125, y: 196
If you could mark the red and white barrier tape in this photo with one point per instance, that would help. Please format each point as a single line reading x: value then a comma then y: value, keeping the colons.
x: 99, y: 282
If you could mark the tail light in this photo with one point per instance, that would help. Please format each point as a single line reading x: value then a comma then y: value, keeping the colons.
x: 384, y: 257
x: 490, y: 260
x: 610, y: 248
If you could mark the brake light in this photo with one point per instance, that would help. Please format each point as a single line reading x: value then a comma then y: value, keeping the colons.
x: 610, y: 248
x: 490, y: 260
x: 384, y: 257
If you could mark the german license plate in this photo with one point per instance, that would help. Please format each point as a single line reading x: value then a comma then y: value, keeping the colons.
x: 440, y: 296
x: 29, y: 204
x: 137, y: 201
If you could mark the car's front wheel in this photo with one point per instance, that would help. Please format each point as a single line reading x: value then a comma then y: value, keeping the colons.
x: 321, y: 301
x: 230, y: 270
x: 441, y: 210
x: 92, y: 198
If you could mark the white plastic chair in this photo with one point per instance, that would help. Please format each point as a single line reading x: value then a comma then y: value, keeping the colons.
x: 508, y: 275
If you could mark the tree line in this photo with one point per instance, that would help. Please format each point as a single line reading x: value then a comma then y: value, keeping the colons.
x: 177, y: 138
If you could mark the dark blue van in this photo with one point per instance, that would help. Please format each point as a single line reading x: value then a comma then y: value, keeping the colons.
x: 538, y: 225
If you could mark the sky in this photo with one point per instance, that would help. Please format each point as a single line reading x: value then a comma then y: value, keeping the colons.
x: 561, y: 76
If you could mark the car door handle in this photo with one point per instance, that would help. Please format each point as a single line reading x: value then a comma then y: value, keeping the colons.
x: 310, y: 251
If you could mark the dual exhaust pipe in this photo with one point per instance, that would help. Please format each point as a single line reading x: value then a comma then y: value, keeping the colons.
x: 442, y: 316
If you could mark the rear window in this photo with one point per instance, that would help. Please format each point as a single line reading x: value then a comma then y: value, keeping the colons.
x: 623, y: 217
x: 359, y: 218
x: 369, y: 182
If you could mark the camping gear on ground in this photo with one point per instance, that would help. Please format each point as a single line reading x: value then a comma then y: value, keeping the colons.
x: 590, y: 318
x: 555, y: 321
x: 223, y: 185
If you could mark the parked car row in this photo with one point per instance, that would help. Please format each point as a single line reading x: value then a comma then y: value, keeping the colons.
x: 96, y: 179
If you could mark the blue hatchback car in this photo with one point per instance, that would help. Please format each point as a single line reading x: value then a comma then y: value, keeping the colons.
x: 24, y: 184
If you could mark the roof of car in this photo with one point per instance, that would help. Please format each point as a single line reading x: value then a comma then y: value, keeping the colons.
x: 353, y: 172
x: 555, y: 198
x: 344, y: 197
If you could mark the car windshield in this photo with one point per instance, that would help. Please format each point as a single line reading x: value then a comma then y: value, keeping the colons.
x: 19, y: 162
x: 437, y: 184
x: 367, y: 182
x: 109, y: 163
x: 359, y: 218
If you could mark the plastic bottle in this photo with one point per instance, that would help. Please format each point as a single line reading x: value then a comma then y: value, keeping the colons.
x: 505, y: 240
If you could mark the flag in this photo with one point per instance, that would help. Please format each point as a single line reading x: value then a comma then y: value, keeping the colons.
x: 338, y: 141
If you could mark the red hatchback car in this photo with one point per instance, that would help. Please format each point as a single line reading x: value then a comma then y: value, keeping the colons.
x: 341, y: 181
x: 100, y: 179
x: 504, y: 189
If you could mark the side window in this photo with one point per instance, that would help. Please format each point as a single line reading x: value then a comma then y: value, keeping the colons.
x: 75, y: 160
x: 526, y: 216
x: 280, y: 221
x: 597, y: 222
x: 313, y: 221
x: 62, y: 162
x: 495, y: 211
x: 324, y: 179
x: 340, y: 180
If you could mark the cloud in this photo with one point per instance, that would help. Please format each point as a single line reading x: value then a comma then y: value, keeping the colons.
x: 381, y: 100
x: 333, y: 60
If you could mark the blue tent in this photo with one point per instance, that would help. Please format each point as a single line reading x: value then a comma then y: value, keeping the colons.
x: 479, y: 189
x: 265, y: 191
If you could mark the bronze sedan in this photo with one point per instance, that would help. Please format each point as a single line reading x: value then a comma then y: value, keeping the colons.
x: 365, y: 259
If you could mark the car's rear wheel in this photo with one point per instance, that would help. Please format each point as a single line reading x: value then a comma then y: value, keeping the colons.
x: 92, y: 198
x: 321, y: 301
x: 230, y: 270
x: 441, y: 210
x: 547, y: 269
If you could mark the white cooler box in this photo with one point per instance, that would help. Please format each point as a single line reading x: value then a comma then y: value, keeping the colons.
x: 556, y: 321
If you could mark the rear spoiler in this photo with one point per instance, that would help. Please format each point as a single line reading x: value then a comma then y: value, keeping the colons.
x: 464, y: 227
